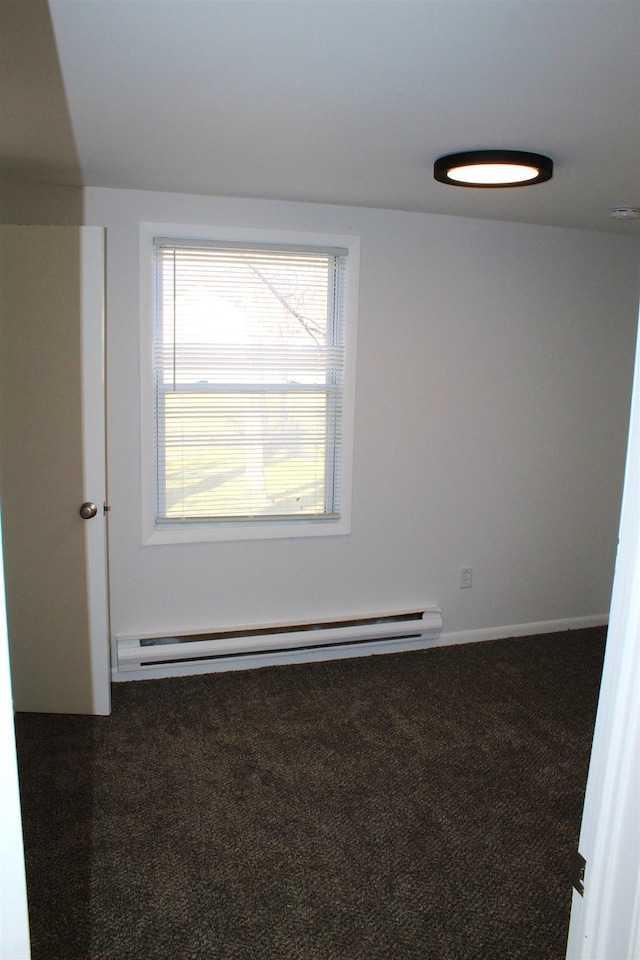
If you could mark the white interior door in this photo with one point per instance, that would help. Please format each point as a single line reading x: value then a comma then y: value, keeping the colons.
x: 605, y: 919
x: 52, y: 461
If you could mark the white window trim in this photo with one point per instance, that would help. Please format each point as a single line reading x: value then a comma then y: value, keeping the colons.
x: 212, y: 531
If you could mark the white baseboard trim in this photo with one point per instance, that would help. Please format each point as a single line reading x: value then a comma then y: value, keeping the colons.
x: 521, y: 630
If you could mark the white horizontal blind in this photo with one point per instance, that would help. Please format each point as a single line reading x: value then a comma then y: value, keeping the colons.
x: 248, y: 361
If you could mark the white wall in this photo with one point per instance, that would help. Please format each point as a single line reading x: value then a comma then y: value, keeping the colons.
x: 494, y: 375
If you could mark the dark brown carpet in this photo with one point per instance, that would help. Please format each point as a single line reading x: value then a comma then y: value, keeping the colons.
x: 419, y: 806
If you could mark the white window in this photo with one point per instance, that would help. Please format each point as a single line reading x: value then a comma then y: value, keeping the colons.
x: 251, y: 419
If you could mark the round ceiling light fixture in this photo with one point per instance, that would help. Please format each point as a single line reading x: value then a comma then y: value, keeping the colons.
x: 493, y: 168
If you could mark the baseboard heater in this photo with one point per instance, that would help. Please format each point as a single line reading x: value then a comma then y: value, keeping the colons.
x: 365, y: 634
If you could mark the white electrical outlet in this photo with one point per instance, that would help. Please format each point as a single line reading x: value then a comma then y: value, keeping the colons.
x: 466, y: 577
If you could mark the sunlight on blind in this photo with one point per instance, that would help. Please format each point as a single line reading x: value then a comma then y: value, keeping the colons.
x: 249, y: 353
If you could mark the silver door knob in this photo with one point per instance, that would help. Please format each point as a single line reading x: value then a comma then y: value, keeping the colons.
x: 88, y: 510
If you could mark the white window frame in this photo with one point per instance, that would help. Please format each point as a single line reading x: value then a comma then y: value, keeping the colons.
x: 153, y: 533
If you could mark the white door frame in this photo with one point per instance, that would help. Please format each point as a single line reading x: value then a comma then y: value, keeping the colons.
x: 92, y: 299
x: 14, y: 918
x: 605, y: 922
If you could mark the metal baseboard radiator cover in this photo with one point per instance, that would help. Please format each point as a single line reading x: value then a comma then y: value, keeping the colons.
x: 142, y: 653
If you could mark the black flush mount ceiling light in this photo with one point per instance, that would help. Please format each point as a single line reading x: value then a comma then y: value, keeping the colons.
x: 493, y: 168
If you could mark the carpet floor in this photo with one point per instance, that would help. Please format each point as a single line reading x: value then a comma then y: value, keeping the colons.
x: 416, y: 806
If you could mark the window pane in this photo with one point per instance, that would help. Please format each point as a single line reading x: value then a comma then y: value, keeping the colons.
x: 245, y: 455
x: 249, y: 356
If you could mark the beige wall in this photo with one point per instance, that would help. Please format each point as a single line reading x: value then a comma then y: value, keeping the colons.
x: 24, y: 202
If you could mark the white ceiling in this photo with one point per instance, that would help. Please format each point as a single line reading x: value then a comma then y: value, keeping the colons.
x: 351, y: 101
